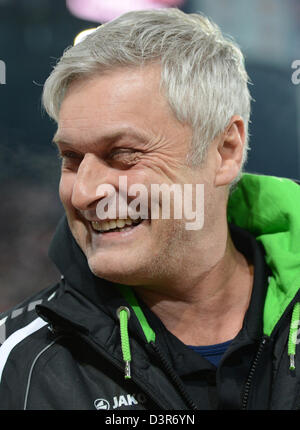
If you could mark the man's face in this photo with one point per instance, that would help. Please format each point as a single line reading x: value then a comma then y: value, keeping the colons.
x: 113, y: 125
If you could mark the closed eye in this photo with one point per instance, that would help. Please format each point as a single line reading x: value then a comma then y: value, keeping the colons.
x: 124, y: 156
x: 69, y: 155
x: 122, y: 151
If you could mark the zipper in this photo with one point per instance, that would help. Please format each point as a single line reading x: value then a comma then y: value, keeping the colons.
x: 247, y: 387
x: 253, y: 368
x: 174, y: 377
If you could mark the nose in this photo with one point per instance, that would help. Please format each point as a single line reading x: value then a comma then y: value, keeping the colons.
x: 91, y: 173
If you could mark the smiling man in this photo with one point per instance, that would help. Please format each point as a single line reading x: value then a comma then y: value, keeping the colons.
x: 150, y: 314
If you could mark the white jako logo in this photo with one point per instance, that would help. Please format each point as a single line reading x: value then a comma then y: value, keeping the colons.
x: 101, y: 404
x: 119, y: 401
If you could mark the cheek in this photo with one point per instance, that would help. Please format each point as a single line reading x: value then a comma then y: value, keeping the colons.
x: 66, y: 189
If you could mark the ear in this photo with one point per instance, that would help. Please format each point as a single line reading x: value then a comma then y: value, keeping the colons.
x: 230, y: 151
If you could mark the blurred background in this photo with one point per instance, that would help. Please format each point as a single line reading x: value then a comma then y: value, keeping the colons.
x: 34, y: 34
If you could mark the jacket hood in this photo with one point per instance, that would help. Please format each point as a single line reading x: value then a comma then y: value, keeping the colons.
x: 267, y: 206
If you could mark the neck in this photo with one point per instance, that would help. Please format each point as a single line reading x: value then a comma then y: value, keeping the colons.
x: 212, y: 305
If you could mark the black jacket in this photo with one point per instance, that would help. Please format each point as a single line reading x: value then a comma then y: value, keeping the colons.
x: 62, y: 348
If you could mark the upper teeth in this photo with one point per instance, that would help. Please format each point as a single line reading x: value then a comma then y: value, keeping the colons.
x: 110, y: 225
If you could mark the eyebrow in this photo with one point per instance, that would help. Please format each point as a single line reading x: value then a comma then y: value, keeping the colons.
x: 112, y: 137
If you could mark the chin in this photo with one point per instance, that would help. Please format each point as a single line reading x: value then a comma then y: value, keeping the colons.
x: 123, y: 273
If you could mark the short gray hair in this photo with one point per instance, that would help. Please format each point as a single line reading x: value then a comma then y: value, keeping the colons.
x: 202, y: 72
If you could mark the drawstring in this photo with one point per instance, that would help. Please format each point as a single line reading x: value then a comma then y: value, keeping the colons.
x: 293, y: 334
x: 124, y: 315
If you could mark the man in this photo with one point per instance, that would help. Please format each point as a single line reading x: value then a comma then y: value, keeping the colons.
x: 150, y: 314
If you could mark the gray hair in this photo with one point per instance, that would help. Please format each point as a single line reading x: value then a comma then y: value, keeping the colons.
x: 202, y: 72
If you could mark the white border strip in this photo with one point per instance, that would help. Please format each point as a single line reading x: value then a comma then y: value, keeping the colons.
x: 16, y: 338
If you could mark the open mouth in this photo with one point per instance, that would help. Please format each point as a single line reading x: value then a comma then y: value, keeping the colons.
x: 118, y: 225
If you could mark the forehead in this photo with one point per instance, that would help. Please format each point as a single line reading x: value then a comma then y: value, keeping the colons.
x: 123, y: 99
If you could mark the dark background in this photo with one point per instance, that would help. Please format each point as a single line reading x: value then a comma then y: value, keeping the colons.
x: 33, y: 35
